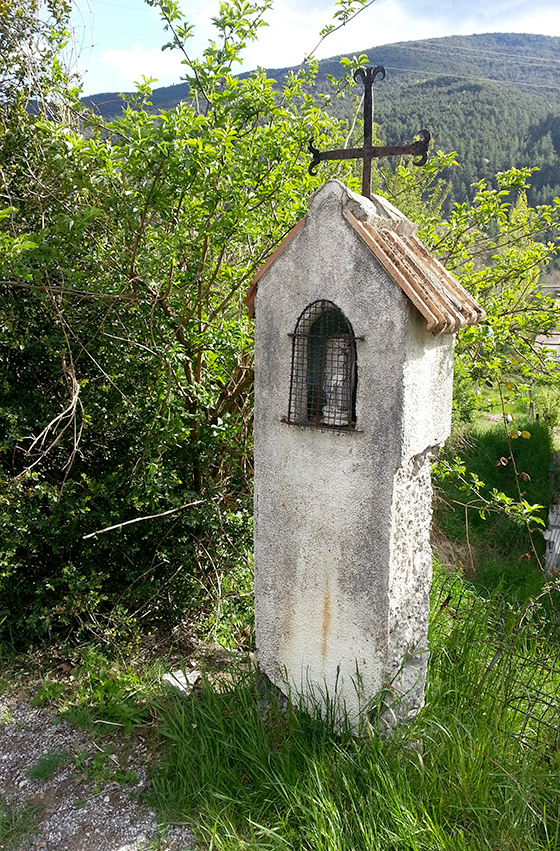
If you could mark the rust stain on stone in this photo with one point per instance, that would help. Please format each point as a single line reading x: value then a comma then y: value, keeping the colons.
x: 326, y: 621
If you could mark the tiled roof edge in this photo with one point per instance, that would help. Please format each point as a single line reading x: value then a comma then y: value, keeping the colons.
x: 443, y: 302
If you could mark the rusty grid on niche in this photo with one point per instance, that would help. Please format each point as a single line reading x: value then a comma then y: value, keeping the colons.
x: 324, y: 371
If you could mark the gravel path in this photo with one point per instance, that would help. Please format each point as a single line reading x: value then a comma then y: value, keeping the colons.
x: 91, y: 800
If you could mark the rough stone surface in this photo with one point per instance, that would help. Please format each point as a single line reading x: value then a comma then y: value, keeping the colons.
x: 379, y: 211
x: 342, y: 554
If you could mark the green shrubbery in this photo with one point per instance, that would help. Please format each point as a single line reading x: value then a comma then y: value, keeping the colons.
x: 547, y: 402
x: 125, y: 350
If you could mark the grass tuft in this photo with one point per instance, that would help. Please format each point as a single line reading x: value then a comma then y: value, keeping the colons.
x: 463, y: 775
x: 496, y: 551
x: 47, y: 765
x: 15, y: 822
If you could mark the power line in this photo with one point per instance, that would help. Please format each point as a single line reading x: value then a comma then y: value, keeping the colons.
x: 153, y: 37
x: 499, y: 82
x: 432, y: 47
x: 117, y: 5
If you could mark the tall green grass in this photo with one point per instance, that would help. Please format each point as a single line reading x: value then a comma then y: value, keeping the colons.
x: 462, y: 775
x: 501, y: 554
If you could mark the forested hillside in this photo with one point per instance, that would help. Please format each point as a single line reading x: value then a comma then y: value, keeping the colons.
x: 493, y: 98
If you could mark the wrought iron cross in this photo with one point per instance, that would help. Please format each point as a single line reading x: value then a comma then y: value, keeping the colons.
x: 369, y: 152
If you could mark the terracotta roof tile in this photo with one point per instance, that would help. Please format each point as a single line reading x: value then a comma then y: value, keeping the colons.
x: 441, y: 300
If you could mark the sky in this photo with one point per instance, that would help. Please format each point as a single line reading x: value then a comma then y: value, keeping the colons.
x: 119, y: 41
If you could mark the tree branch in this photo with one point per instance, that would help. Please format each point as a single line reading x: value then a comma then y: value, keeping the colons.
x: 139, y: 519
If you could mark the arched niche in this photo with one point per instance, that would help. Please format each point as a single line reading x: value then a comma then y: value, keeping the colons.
x: 323, y: 375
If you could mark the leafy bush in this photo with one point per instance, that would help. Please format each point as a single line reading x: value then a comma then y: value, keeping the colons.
x: 125, y: 351
x: 547, y: 404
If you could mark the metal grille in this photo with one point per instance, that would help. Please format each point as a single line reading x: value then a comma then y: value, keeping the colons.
x: 323, y: 379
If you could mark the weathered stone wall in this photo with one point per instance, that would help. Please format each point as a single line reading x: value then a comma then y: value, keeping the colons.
x: 410, y: 574
x: 332, y: 574
x: 428, y: 386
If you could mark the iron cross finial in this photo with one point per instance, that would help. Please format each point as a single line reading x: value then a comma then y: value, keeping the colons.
x: 367, y: 76
x: 369, y: 152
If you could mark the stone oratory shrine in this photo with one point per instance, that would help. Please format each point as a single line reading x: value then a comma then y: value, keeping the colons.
x: 354, y: 335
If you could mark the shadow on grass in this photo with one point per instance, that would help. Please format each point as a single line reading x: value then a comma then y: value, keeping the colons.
x: 497, y: 552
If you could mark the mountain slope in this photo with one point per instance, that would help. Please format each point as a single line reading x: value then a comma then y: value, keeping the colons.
x: 494, y: 98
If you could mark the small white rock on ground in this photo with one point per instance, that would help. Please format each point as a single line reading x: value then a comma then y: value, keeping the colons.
x: 72, y: 813
x: 181, y: 681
